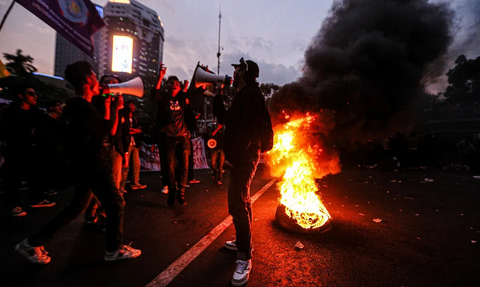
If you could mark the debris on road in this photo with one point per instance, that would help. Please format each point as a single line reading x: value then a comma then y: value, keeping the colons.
x: 474, y: 241
x: 428, y: 179
x: 377, y: 220
x: 299, y: 246
x: 416, y: 214
x: 361, y: 214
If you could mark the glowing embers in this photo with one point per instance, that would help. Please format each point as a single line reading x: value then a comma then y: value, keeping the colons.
x: 298, y: 158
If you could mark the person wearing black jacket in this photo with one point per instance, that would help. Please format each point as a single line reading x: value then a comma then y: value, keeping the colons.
x: 89, y: 154
x: 134, y: 144
x: 242, y: 149
x: 173, y: 116
x: 18, y: 125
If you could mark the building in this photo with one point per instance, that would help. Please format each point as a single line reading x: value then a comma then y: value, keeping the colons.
x: 67, y: 53
x: 132, y: 44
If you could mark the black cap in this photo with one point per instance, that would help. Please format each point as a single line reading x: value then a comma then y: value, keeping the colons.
x: 250, y: 66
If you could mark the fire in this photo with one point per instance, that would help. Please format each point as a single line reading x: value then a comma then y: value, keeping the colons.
x: 298, y: 159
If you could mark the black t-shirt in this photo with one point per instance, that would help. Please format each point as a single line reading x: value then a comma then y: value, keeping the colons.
x: 85, y: 130
x: 171, y: 114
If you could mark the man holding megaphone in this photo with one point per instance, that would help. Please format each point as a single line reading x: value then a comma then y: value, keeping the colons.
x: 243, y: 142
x: 85, y: 131
x: 174, y: 139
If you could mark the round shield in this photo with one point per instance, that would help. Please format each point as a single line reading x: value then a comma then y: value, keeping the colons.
x: 212, y: 143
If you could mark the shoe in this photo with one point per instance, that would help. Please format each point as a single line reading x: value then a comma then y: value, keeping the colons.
x: 36, y: 255
x: 232, y: 245
x: 124, y: 252
x: 50, y: 192
x: 187, y: 185
x: 44, y: 203
x: 193, y: 181
x: 91, y: 219
x: 242, y: 272
x: 17, y: 212
x: 165, y: 190
x: 219, y: 182
x: 181, y: 200
x: 138, y: 186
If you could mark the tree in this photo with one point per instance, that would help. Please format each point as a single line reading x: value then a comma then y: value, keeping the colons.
x: 268, y: 90
x: 20, y: 65
x: 464, y: 80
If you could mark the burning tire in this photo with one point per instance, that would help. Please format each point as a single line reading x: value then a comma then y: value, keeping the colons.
x: 291, y: 224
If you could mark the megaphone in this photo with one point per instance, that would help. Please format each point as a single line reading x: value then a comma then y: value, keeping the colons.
x: 203, y: 77
x: 133, y: 87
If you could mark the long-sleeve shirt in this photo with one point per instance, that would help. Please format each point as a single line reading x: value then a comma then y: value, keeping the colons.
x: 241, y: 121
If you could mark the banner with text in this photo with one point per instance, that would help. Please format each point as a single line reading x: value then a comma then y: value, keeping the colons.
x: 75, y: 20
x: 150, y: 158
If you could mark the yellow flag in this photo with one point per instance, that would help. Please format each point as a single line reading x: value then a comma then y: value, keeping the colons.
x: 3, y: 70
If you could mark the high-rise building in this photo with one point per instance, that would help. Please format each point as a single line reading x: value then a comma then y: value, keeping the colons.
x: 132, y: 44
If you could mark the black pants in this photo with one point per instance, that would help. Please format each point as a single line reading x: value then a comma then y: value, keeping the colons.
x: 239, y: 202
x: 190, y: 163
x: 18, y: 169
x: 92, y: 179
x: 162, y: 150
x: 177, y: 149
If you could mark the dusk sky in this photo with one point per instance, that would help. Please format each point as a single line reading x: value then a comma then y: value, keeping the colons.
x: 275, y: 34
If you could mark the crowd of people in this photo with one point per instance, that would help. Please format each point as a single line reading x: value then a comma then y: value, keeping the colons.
x: 399, y: 151
x: 90, y: 142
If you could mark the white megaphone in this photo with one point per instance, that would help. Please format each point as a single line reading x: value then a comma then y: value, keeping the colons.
x: 201, y: 78
x: 134, y: 87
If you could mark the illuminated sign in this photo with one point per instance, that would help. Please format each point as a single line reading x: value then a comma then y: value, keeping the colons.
x: 122, y: 54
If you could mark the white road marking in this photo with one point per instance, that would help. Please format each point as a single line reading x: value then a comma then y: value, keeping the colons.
x: 167, y: 276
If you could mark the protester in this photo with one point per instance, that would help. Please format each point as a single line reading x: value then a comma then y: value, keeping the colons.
x: 175, y: 136
x: 133, y: 152
x: 91, y: 165
x: 218, y: 156
x: 246, y: 122
x: 17, y: 127
x: 49, y: 176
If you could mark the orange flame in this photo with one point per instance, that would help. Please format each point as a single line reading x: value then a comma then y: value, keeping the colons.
x: 298, y: 158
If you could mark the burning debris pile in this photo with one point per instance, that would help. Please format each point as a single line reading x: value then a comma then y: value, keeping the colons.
x: 362, y: 73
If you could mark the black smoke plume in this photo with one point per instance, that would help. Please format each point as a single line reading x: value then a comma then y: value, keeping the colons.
x: 365, y: 65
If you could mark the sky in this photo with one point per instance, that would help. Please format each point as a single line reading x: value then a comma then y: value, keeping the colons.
x: 274, y: 33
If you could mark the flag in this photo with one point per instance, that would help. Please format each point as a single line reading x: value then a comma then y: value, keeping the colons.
x: 75, y: 20
x: 3, y: 70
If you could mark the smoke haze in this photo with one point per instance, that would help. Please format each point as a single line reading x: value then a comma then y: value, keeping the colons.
x: 365, y: 66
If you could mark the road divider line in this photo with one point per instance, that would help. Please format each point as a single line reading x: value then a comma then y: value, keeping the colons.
x: 167, y: 276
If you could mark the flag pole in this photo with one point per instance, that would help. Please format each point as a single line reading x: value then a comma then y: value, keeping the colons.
x: 6, y: 14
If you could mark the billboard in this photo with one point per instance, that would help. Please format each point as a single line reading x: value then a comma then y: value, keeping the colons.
x: 122, y: 54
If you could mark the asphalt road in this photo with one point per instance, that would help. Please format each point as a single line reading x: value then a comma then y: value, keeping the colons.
x: 427, y: 236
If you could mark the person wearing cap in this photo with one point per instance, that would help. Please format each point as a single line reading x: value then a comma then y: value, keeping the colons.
x: 242, y: 149
x: 173, y: 116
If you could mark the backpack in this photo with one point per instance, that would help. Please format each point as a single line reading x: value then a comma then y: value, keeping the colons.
x: 265, y: 132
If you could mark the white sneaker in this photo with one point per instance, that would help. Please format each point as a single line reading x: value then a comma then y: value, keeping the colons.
x: 165, y: 190
x: 124, y: 252
x: 36, y: 255
x: 232, y: 245
x: 242, y: 272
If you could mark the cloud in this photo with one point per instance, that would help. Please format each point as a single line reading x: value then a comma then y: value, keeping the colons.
x: 269, y: 72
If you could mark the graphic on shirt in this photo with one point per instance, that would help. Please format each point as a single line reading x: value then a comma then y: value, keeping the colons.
x: 174, y: 105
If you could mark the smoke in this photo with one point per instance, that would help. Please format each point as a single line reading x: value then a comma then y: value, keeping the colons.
x: 365, y: 66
